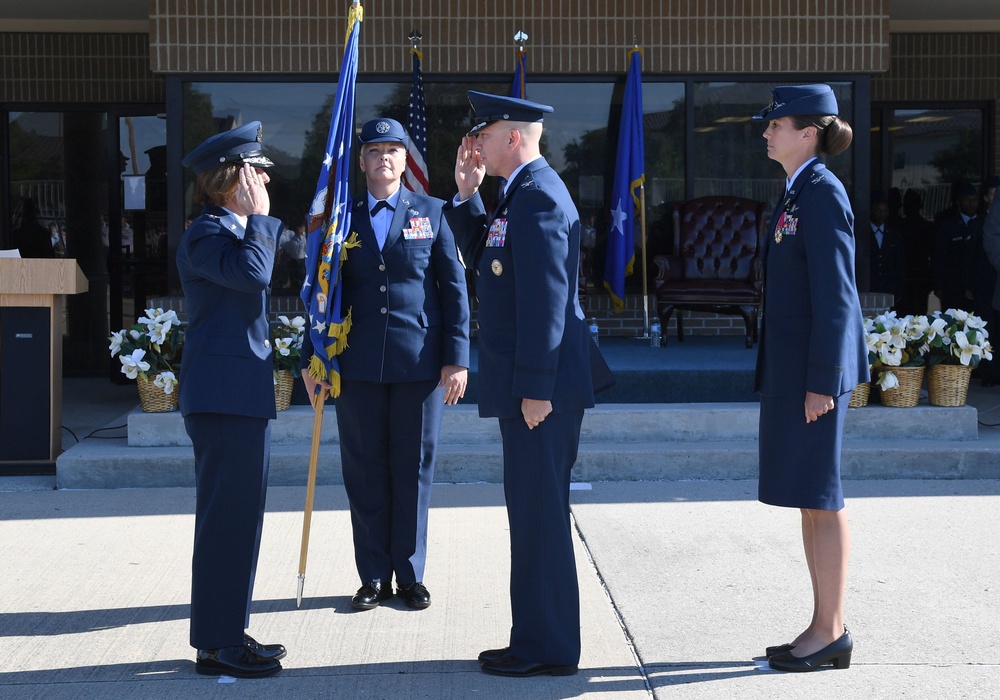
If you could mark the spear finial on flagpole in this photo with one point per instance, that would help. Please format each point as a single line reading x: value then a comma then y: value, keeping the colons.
x: 520, y: 38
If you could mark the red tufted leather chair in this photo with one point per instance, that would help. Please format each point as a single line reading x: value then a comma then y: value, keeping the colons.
x: 716, y: 263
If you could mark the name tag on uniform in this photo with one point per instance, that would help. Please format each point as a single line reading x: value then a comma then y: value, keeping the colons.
x: 420, y: 229
x: 787, y: 226
x: 497, y: 236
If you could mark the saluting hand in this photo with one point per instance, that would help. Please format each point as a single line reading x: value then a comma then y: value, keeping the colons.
x: 454, y: 379
x: 251, y: 193
x: 469, y: 169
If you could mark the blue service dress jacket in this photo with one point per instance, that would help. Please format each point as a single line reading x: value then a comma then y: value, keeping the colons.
x: 533, y: 340
x: 226, y: 274
x: 408, y: 301
x: 811, y: 326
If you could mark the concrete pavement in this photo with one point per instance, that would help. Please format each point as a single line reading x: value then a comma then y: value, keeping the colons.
x: 683, y: 584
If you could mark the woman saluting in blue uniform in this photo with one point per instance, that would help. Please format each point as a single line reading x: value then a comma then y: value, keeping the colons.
x: 811, y: 355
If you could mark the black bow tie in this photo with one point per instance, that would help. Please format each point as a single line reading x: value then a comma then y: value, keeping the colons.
x: 380, y: 205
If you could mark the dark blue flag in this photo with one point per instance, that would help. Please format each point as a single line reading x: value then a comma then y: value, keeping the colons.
x: 329, y: 222
x: 630, y: 173
x: 518, y: 86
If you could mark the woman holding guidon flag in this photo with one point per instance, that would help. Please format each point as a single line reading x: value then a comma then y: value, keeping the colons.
x: 404, y: 290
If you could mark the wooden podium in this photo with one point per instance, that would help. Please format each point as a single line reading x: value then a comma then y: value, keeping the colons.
x: 31, y: 341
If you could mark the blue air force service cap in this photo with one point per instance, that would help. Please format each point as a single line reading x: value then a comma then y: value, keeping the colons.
x: 796, y: 100
x: 383, y: 130
x: 239, y: 145
x: 493, y: 108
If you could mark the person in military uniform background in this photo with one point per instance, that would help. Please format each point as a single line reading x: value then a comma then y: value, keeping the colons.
x: 886, y: 253
x: 812, y: 353
x: 957, y: 248
x: 407, y: 356
x: 534, y: 368
x: 225, y: 260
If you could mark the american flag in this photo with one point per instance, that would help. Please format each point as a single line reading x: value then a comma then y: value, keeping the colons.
x: 415, y: 178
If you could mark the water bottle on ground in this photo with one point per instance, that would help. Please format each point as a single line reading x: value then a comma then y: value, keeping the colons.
x: 654, y: 333
x: 592, y: 324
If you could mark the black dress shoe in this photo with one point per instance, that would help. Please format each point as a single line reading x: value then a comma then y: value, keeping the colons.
x: 494, y: 654
x: 265, y: 651
x: 238, y: 662
x: 838, y: 653
x: 780, y: 649
x: 370, y: 595
x: 519, y: 668
x: 415, y: 595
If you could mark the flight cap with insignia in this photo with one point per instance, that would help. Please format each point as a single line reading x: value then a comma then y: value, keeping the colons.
x: 239, y: 145
x: 493, y: 108
x: 799, y: 100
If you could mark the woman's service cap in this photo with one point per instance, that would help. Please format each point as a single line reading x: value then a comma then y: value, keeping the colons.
x: 796, y: 100
x: 239, y: 145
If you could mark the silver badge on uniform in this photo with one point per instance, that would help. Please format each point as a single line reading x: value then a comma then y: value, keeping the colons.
x: 497, y: 267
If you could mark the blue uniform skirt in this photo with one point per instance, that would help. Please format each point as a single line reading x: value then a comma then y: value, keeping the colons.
x: 799, y: 462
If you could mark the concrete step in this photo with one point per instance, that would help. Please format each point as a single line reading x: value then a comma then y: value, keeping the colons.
x: 619, y: 442
x: 605, y: 423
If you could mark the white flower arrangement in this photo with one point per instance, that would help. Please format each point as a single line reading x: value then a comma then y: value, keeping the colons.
x: 151, y: 346
x: 958, y: 337
x: 286, y: 342
x: 895, y: 342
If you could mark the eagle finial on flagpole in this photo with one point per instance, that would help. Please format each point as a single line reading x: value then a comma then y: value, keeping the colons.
x: 415, y: 36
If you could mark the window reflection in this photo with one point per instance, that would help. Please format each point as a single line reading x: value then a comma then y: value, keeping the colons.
x: 930, y: 149
x: 729, y: 153
x: 296, y: 118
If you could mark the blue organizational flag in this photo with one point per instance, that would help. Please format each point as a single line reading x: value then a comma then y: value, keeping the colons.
x: 329, y: 222
x: 517, y: 85
x: 630, y: 173
x: 415, y: 177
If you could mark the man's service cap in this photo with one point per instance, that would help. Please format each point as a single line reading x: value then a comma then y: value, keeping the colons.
x: 494, y: 108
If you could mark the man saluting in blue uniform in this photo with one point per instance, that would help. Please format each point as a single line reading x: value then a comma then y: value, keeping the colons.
x: 534, y: 368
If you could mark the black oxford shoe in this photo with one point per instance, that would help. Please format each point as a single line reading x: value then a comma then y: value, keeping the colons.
x: 238, y: 662
x: 519, y: 668
x: 265, y: 651
x: 494, y: 654
x: 415, y: 595
x: 370, y: 595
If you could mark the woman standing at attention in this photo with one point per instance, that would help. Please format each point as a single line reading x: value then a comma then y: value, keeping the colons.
x: 811, y: 355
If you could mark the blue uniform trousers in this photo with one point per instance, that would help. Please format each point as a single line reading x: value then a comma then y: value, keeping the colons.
x: 231, y: 455
x: 544, y: 595
x: 388, y: 441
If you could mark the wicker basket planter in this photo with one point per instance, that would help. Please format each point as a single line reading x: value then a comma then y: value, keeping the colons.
x: 948, y: 385
x: 283, y: 385
x: 152, y: 398
x: 859, y: 396
x: 907, y: 394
